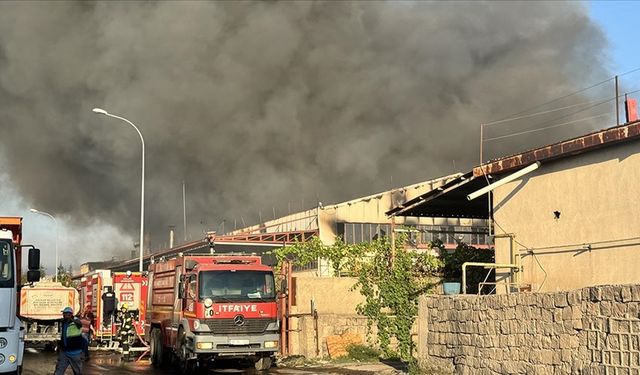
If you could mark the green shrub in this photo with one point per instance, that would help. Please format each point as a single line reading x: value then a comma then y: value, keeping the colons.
x: 363, y: 353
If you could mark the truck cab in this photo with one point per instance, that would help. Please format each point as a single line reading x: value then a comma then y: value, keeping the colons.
x: 11, y: 328
x: 210, y: 306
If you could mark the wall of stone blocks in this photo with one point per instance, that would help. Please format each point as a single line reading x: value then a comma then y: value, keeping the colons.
x: 594, y: 330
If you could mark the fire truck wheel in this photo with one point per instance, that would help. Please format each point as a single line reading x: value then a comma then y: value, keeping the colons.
x: 156, y: 348
x: 187, y: 366
x: 263, y: 363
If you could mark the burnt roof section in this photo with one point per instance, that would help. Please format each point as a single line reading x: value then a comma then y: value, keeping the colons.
x: 448, y: 200
x: 574, y: 146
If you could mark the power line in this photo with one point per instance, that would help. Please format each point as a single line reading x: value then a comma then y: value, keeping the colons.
x: 558, y: 99
x: 542, y: 112
x: 568, y: 95
x: 546, y: 127
x: 597, y: 103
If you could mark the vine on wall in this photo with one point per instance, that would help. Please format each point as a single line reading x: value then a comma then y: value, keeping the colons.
x: 391, y: 280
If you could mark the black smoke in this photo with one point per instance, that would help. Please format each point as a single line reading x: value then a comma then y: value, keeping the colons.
x: 263, y: 105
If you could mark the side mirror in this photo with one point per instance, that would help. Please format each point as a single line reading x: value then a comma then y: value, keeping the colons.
x: 181, y: 289
x: 34, y: 260
x: 33, y: 276
x: 283, y: 286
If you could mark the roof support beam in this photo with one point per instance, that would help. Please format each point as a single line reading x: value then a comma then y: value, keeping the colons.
x: 503, y: 181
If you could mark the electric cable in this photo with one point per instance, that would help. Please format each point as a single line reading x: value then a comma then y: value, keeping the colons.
x: 547, y: 127
x: 542, y: 112
x: 572, y: 93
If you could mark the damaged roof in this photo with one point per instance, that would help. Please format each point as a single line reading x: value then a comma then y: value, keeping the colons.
x: 450, y: 200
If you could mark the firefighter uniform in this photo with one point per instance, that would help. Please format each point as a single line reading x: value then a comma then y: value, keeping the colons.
x: 127, y: 330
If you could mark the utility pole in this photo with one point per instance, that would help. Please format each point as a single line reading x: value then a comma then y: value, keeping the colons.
x: 184, y: 209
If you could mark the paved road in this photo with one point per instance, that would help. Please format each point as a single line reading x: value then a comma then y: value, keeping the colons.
x: 43, y: 363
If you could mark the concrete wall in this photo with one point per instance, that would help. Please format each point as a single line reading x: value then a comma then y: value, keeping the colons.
x: 596, y: 194
x: 336, y: 306
x: 592, y: 330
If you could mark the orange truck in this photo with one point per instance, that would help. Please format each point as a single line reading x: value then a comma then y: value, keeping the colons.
x: 11, y: 327
x: 128, y: 289
x: 204, y: 307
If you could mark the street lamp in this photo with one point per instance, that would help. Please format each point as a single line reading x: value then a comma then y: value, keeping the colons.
x: 103, y: 112
x: 33, y: 210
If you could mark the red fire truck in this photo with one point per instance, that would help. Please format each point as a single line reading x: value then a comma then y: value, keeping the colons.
x: 126, y: 288
x: 203, y: 307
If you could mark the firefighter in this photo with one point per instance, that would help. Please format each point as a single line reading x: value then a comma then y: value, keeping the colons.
x: 127, y: 331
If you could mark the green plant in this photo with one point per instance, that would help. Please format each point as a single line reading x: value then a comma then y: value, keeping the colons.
x: 391, y: 283
x: 454, y: 259
x: 390, y: 278
x: 363, y: 353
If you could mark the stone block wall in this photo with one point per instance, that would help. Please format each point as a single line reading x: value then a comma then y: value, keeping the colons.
x: 593, y: 330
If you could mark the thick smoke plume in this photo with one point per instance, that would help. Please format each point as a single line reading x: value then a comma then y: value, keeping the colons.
x: 263, y: 105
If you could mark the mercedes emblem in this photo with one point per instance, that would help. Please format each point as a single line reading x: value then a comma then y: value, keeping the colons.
x: 238, y: 320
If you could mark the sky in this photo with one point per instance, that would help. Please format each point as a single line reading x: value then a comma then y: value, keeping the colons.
x: 615, y: 19
x: 618, y: 20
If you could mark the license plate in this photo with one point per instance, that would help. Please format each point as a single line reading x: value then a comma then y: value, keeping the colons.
x: 238, y: 342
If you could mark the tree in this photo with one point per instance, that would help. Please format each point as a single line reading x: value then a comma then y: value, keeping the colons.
x: 64, y: 276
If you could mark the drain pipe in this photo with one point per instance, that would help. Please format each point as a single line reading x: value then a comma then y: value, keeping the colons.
x: 503, y: 181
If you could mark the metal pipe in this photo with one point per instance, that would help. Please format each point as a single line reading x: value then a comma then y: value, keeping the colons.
x: 617, y: 104
x: 283, y: 312
x: 503, y: 181
x: 482, y: 264
x: 103, y: 112
x: 289, y: 302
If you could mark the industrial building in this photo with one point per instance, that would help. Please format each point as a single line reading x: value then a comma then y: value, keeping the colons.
x: 569, y: 222
x: 364, y: 219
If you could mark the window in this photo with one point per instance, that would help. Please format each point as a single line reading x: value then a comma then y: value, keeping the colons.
x: 6, y: 264
x: 191, y: 291
x: 237, y: 285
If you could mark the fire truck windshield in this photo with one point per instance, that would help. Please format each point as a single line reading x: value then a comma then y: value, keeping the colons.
x: 6, y: 264
x: 237, y: 285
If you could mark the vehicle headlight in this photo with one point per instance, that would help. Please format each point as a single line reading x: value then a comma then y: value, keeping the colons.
x: 1, y: 359
x: 12, y: 358
x: 204, y: 345
x: 208, y: 302
x: 270, y: 344
x: 3, y: 343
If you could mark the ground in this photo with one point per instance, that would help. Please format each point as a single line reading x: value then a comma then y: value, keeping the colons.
x: 37, y: 362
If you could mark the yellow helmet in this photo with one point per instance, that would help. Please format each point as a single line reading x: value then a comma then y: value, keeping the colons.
x: 124, y: 306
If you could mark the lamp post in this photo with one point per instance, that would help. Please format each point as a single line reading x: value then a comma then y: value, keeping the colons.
x: 103, y: 112
x: 33, y: 210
